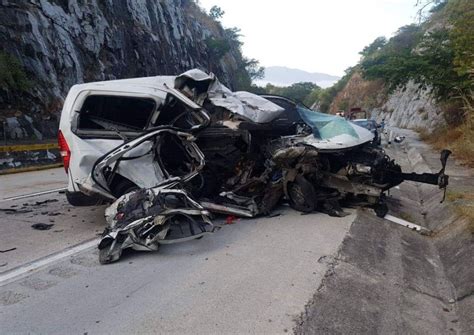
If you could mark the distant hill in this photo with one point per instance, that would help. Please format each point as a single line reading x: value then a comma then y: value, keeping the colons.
x: 284, y: 76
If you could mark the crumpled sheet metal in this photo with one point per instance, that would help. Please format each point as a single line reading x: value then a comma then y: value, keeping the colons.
x: 144, y: 219
x: 139, y: 145
x: 246, y: 104
x: 307, y: 166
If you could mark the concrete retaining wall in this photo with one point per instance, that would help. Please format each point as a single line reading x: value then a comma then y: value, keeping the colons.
x: 19, y: 158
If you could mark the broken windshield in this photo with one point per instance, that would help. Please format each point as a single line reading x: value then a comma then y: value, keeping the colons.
x: 326, y: 126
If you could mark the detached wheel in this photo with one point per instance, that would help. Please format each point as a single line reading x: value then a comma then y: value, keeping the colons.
x: 301, y: 195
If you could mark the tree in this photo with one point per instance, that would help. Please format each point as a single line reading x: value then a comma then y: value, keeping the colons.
x: 217, y: 47
x: 233, y: 34
x: 297, y: 91
x: 373, y: 47
x: 254, y: 69
x: 461, y: 16
x: 216, y: 12
x: 395, y: 61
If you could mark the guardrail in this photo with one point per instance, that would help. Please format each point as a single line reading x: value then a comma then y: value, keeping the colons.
x: 29, y: 157
x: 28, y: 147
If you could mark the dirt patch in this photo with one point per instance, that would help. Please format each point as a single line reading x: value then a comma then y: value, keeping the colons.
x: 38, y: 284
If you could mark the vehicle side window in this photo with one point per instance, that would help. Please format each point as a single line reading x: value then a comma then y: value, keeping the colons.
x: 107, y: 112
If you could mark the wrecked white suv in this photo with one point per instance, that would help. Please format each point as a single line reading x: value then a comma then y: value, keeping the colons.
x: 98, y: 117
x: 170, y: 150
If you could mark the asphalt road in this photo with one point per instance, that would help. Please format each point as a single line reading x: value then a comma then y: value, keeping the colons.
x: 252, y: 276
x: 69, y: 225
x: 17, y: 184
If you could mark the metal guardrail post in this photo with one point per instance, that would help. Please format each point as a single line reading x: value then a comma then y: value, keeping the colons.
x: 5, y: 132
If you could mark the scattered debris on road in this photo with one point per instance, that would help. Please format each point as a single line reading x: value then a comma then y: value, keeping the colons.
x: 410, y: 225
x: 39, y: 203
x: 144, y: 219
x: 399, y: 139
x: 15, y: 211
x: 7, y: 250
x: 42, y: 226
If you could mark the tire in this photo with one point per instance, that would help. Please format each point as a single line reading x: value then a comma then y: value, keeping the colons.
x: 301, y: 195
x: 80, y: 199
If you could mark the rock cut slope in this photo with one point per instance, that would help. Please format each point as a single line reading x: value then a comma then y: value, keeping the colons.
x: 61, y: 43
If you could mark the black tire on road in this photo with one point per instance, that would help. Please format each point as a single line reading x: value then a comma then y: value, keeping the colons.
x: 301, y: 195
x: 80, y: 199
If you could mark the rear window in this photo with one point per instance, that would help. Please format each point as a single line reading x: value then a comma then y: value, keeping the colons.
x: 105, y: 112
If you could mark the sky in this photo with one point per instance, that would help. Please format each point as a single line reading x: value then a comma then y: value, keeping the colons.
x: 312, y: 35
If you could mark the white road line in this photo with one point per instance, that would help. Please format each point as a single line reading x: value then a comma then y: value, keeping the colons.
x: 33, y: 194
x: 21, y: 271
x: 405, y: 223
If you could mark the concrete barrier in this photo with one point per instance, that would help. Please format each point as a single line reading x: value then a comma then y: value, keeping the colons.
x: 453, y: 234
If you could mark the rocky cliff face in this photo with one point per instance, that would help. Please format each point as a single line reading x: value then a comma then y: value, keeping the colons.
x: 63, y: 42
x: 358, y: 93
x: 410, y: 108
x: 407, y: 108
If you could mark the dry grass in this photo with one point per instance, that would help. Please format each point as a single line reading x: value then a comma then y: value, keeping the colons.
x: 456, y: 195
x: 460, y: 140
x: 406, y: 217
x: 463, y: 204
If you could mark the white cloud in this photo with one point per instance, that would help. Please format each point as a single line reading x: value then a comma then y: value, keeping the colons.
x: 318, y: 35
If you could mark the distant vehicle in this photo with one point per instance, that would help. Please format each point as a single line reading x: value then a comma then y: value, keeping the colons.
x: 356, y: 113
x: 372, y: 126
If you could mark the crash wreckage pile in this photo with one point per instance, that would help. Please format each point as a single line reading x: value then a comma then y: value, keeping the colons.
x: 240, y: 154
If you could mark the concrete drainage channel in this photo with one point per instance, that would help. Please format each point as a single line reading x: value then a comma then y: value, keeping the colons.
x: 390, y: 279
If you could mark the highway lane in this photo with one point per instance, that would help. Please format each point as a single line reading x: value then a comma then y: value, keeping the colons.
x: 32, y: 197
x: 16, y: 184
x: 252, y: 276
x: 70, y: 226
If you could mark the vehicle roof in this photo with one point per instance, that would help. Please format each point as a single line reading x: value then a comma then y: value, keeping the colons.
x: 158, y: 86
x: 157, y: 82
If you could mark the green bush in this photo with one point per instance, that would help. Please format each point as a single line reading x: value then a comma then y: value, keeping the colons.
x: 12, y: 75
